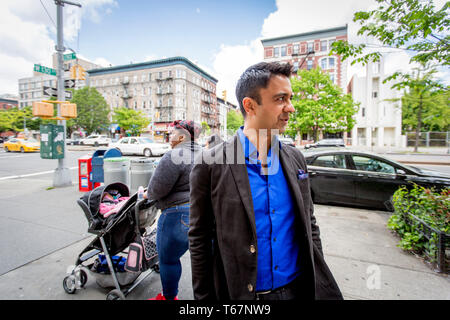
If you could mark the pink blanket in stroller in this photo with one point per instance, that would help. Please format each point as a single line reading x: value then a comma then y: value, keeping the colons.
x: 109, y: 205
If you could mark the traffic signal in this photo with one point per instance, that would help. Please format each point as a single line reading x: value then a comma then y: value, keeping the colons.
x: 224, y: 95
x: 77, y: 72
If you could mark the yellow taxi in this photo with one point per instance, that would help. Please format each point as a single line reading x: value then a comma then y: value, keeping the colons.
x: 22, y: 145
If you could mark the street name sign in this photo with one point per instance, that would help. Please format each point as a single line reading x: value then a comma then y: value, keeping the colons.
x: 46, y: 70
x: 70, y: 56
x: 52, y: 92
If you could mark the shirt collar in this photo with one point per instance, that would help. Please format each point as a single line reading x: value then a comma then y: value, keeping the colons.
x: 250, y: 151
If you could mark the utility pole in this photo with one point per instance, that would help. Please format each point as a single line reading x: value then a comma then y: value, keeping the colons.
x: 61, y: 177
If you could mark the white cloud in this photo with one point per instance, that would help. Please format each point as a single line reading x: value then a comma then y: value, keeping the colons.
x: 28, y: 34
x: 231, y: 61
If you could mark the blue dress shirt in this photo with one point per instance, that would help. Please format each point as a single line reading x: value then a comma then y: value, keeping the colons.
x: 277, y: 242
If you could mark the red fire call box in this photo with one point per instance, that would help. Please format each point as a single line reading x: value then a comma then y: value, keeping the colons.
x: 85, y: 174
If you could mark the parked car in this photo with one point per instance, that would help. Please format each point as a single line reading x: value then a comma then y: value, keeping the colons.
x: 362, y: 178
x: 22, y: 145
x: 326, y: 143
x: 287, y: 140
x: 96, y: 140
x: 72, y: 142
x: 141, y: 146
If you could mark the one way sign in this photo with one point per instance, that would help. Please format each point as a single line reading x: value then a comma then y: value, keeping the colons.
x: 52, y: 92
x: 70, y: 83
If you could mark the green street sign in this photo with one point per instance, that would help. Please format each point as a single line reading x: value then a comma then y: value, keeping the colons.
x: 70, y: 56
x: 46, y: 70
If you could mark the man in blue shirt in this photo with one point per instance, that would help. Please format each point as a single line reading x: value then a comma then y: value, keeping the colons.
x: 253, y: 234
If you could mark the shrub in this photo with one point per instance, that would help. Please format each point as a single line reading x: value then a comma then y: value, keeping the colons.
x: 412, y: 209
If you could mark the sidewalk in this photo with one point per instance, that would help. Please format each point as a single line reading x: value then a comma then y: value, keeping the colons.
x: 359, y: 249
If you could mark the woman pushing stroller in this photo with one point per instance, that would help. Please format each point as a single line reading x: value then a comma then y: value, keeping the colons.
x: 169, y: 185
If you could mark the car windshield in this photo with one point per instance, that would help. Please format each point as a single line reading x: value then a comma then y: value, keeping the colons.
x: 31, y: 140
x: 145, y: 140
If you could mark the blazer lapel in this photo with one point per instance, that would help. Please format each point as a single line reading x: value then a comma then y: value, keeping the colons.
x: 233, y: 149
x: 290, y: 171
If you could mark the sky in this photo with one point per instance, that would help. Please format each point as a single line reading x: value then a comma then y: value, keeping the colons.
x: 221, y: 37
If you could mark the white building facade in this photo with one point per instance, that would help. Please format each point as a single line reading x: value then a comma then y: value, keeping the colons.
x: 378, y: 121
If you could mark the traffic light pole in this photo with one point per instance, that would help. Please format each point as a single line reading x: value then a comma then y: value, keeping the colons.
x: 61, y: 176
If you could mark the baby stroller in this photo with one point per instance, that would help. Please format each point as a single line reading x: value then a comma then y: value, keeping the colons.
x: 114, y: 233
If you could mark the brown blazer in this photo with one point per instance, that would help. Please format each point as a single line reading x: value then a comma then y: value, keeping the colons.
x: 222, y: 232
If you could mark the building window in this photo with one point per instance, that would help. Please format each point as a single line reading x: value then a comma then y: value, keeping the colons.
x: 295, y: 66
x: 296, y: 47
x: 323, y: 45
x: 276, y: 52
x: 283, y: 51
x: 310, y: 47
x: 309, y: 64
x: 327, y: 63
x: 331, y: 63
x: 376, y: 67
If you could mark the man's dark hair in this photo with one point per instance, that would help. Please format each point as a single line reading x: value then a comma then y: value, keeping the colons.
x: 257, y: 77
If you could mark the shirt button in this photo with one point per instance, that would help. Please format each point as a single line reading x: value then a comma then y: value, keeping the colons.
x: 276, y: 268
x: 273, y: 211
x: 274, y: 239
x: 252, y: 249
x: 250, y: 287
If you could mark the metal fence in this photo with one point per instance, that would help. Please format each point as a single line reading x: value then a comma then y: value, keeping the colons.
x: 429, y: 139
x: 442, y: 256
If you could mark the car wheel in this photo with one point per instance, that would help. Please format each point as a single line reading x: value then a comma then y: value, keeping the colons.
x: 81, y: 142
x: 22, y: 149
x: 6, y: 149
x: 95, y: 144
x: 148, y: 153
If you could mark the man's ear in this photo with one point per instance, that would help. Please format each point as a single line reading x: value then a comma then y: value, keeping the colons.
x: 249, y: 105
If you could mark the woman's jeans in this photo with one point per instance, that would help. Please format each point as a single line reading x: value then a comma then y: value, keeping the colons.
x: 172, y: 242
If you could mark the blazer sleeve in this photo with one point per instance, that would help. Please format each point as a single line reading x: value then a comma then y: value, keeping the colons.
x: 315, y: 230
x: 201, y: 233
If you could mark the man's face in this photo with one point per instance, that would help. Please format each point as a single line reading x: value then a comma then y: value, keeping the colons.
x: 275, y: 105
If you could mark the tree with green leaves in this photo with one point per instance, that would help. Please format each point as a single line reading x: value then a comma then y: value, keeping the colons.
x: 92, y: 111
x: 130, y: 120
x: 320, y: 105
x: 206, y: 129
x: 420, y: 104
x: 235, y: 120
x: 412, y: 25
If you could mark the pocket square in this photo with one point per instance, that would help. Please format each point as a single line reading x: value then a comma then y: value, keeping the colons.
x: 301, y: 174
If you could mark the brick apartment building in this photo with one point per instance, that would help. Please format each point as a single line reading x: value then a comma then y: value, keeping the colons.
x: 6, y: 104
x: 308, y: 50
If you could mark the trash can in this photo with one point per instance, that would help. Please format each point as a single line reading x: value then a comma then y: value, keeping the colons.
x: 141, y: 171
x: 116, y: 169
x: 97, y: 162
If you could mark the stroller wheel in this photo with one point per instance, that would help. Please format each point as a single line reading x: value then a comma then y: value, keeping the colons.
x: 69, y: 284
x: 83, y: 278
x: 156, y: 268
x: 115, y: 295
